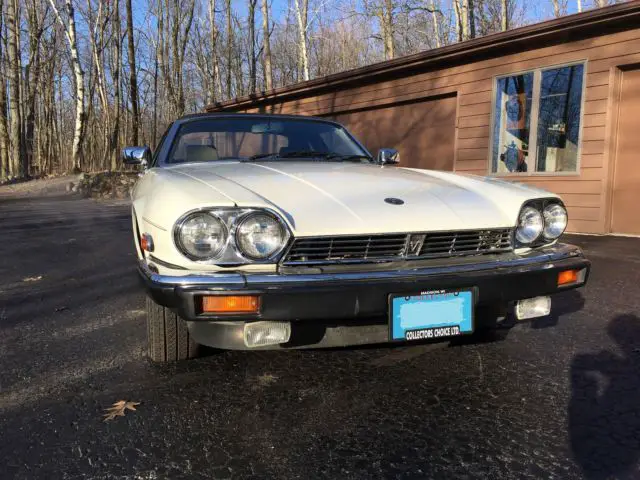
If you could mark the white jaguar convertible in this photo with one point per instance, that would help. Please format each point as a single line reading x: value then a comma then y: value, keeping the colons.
x: 270, y: 231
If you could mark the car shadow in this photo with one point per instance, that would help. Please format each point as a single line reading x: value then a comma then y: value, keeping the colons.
x: 604, y: 410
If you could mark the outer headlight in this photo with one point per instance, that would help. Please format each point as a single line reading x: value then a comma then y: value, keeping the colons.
x: 530, y: 225
x: 260, y: 235
x: 555, y: 221
x: 201, y: 236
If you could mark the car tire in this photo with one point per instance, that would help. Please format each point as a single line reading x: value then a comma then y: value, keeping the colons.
x: 168, y: 336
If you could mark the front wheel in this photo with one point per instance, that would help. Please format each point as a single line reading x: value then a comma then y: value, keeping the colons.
x: 167, y: 335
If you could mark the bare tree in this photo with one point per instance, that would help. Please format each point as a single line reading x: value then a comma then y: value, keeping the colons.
x: 504, y: 15
x: 115, y: 69
x: 5, y: 167
x: 302, y: 17
x: 266, y: 47
x: 70, y: 32
x: 214, y: 70
x: 435, y: 19
x: 133, y: 78
x: 252, y: 44
x: 229, y: 49
x: 175, y: 20
x: 18, y: 155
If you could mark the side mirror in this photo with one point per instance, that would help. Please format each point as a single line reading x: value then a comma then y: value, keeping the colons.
x: 136, y: 156
x: 388, y: 156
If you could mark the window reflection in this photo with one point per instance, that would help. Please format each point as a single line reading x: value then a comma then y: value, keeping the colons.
x: 559, y: 119
x: 558, y: 96
x: 512, y: 123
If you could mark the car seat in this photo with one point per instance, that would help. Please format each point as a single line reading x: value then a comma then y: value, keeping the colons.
x: 201, y: 153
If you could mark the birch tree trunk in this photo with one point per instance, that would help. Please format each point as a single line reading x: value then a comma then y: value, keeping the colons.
x: 504, y: 15
x: 579, y: 6
x: 70, y: 33
x: 18, y: 156
x: 457, y: 10
x: 133, y: 79
x: 465, y: 19
x: 302, y: 16
x: 436, y: 22
x: 266, y: 47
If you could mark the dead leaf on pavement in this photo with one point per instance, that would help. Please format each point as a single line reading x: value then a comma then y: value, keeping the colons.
x: 118, y: 408
x: 32, y: 279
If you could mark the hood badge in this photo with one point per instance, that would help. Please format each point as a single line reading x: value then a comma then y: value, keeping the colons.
x: 394, y: 201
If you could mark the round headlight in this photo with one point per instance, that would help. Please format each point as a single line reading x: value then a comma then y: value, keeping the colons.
x: 201, y: 236
x: 555, y: 221
x: 530, y: 225
x: 260, y: 236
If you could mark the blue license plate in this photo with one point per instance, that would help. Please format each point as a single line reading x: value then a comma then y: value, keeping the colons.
x: 431, y: 314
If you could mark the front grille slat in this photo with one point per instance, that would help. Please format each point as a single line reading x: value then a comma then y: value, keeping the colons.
x: 388, y: 247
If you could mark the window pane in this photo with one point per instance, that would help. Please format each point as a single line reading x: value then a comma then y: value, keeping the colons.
x: 512, y: 123
x: 559, y: 119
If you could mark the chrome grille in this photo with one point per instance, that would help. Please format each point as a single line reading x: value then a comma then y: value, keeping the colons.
x: 387, y: 247
x: 346, y: 248
x: 465, y: 242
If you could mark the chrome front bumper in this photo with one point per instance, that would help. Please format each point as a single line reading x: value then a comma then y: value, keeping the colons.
x: 347, y: 305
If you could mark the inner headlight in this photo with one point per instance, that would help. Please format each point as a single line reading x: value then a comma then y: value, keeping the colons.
x: 259, y: 236
x: 201, y: 236
x: 555, y: 221
x: 530, y: 225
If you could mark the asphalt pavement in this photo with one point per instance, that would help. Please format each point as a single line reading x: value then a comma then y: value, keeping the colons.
x: 555, y: 398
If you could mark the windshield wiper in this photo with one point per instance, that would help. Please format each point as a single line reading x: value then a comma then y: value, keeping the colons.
x: 337, y: 156
x: 294, y: 154
x: 261, y: 155
x: 311, y: 154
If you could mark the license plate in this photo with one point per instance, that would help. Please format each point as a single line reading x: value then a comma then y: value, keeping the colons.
x: 431, y: 314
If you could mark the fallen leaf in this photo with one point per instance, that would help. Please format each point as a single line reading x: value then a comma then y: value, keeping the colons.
x: 118, y: 409
x: 32, y: 279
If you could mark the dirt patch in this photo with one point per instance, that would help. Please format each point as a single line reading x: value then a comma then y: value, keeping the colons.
x: 54, y: 185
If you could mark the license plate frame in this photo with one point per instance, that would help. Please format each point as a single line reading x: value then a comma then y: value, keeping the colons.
x: 446, y: 301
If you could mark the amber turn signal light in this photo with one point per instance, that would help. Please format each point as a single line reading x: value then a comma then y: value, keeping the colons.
x: 146, y: 243
x: 568, y: 277
x: 230, y: 304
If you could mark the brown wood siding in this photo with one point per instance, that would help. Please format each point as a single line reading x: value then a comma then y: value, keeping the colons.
x: 423, y: 132
x: 584, y: 192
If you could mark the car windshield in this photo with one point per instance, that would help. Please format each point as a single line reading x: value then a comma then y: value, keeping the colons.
x: 263, y: 139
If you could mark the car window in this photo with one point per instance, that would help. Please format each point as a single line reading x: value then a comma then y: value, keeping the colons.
x: 233, y: 138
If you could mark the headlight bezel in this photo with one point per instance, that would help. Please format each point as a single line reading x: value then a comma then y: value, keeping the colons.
x: 231, y: 255
x: 539, y: 204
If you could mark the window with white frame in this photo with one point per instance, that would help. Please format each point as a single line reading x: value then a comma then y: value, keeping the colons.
x: 536, y: 121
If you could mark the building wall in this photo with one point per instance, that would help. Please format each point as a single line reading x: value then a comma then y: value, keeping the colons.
x: 586, y: 193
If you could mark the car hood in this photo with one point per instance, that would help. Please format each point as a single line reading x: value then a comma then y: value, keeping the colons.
x: 322, y: 198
